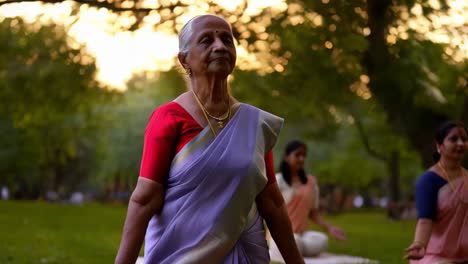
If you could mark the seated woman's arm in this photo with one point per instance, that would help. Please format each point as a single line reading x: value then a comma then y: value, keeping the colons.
x: 417, y: 249
x: 316, y: 217
x: 271, y: 206
x: 145, y: 201
x: 333, y: 231
x: 426, y: 190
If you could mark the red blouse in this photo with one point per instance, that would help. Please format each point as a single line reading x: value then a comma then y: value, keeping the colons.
x: 171, y: 127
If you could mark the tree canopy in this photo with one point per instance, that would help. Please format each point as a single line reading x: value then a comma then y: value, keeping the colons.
x: 48, y: 95
x: 354, y: 73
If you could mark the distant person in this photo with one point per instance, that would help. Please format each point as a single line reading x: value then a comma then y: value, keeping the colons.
x: 5, y: 193
x: 77, y: 198
x: 442, y: 202
x: 207, y: 177
x: 301, y: 193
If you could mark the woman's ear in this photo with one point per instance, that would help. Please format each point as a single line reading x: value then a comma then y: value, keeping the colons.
x: 183, y: 59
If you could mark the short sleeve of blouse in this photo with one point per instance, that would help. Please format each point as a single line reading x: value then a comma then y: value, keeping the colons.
x: 159, y: 145
x: 270, y: 168
x: 427, y: 190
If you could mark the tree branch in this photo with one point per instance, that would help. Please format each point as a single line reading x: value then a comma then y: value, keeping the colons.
x: 365, y: 140
x: 112, y: 6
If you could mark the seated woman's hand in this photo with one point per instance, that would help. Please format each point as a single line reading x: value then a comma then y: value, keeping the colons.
x: 415, y: 251
x: 336, y: 233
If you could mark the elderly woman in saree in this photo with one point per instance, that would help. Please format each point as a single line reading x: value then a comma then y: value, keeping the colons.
x: 442, y: 202
x: 207, y: 177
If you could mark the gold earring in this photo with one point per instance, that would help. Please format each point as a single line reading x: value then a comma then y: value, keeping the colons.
x: 188, y: 71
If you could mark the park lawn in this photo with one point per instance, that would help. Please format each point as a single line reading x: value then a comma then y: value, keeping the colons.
x: 38, y: 232
x: 373, y: 235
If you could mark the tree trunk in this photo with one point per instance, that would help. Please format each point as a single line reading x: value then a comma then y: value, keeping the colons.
x: 394, y: 179
x: 378, y: 62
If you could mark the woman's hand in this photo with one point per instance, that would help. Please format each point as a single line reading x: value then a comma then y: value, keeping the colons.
x: 415, y: 251
x: 336, y: 233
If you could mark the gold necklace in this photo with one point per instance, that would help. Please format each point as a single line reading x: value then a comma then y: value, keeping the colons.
x: 221, y: 118
x: 446, y: 176
x: 220, y: 121
x: 204, y: 114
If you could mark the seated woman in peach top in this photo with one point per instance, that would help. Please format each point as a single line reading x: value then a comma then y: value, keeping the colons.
x: 301, y: 194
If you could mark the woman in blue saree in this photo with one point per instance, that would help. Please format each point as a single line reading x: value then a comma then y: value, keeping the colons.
x: 207, y: 176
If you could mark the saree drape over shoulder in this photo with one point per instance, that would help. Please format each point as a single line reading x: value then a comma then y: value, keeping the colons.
x: 209, y: 213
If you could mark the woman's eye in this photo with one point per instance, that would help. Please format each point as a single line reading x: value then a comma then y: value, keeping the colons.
x: 205, y: 40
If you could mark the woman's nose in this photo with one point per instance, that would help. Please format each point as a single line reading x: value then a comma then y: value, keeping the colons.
x: 219, y: 44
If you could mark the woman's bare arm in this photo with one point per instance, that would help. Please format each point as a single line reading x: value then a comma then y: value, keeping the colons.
x: 333, y: 231
x: 145, y: 201
x: 417, y: 249
x: 271, y: 206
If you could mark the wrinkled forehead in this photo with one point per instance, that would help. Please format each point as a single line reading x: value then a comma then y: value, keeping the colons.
x: 210, y: 23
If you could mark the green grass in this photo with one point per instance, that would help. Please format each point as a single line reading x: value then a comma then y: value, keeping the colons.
x: 372, y: 235
x: 37, y: 232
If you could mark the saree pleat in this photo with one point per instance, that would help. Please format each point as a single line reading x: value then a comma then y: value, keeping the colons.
x: 209, y: 213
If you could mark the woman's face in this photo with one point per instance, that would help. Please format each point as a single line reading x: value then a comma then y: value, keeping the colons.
x: 212, y: 49
x: 296, y: 158
x: 454, y: 145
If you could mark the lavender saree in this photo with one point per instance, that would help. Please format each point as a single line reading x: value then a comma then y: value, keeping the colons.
x: 209, y: 213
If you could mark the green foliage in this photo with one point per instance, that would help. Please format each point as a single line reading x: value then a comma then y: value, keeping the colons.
x: 348, y: 163
x: 434, y: 81
x: 339, y: 156
x: 340, y: 68
x: 48, y: 93
x: 329, y: 51
x: 340, y: 65
x: 121, y: 142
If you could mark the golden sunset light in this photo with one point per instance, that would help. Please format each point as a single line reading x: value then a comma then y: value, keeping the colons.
x: 120, y: 54
x: 118, y: 148
x: 130, y: 52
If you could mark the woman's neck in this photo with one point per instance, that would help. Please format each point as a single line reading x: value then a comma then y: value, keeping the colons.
x: 213, y: 93
x: 295, y: 175
x: 449, y: 164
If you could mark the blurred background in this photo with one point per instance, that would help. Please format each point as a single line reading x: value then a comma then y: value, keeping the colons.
x: 364, y: 82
